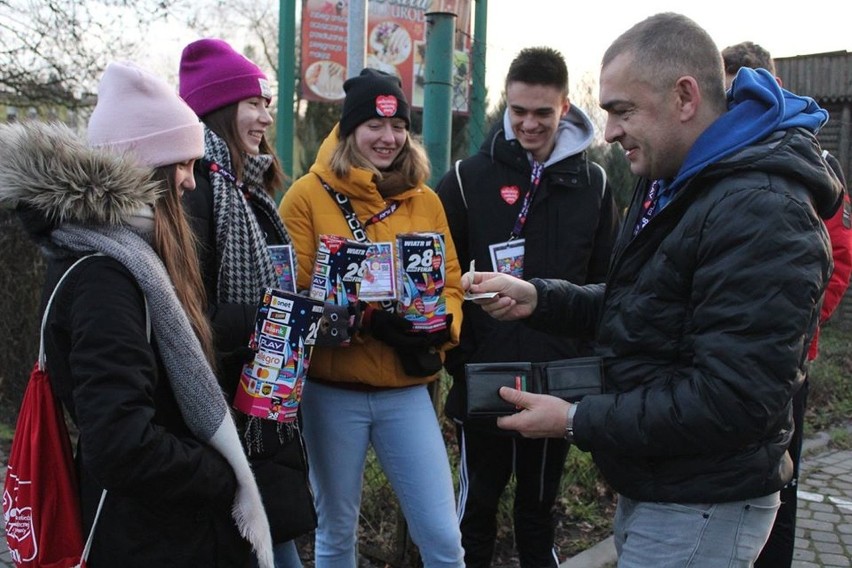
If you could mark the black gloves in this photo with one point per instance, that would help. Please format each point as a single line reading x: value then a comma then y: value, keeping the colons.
x: 417, y: 350
x: 393, y: 329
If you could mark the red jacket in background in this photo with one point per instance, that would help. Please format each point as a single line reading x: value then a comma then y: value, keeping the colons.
x: 840, y: 234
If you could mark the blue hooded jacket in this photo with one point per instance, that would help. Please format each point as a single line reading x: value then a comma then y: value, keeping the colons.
x: 757, y: 107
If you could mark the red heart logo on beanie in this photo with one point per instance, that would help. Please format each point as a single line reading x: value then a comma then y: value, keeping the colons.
x: 386, y: 105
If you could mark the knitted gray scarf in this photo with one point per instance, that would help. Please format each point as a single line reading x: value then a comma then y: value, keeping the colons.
x: 198, y: 394
x: 244, y: 265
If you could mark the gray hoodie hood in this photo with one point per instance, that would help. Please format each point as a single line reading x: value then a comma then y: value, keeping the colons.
x: 575, y: 134
x: 48, y: 170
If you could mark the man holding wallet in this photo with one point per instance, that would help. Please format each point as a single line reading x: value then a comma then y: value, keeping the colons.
x: 709, y: 306
x: 529, y: 203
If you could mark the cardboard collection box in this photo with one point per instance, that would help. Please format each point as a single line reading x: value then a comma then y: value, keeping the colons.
x: 410, y: 271
x: 422, y: 271
x: 285, y: 330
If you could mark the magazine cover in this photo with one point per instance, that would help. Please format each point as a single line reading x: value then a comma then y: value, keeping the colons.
x: 285, y: 331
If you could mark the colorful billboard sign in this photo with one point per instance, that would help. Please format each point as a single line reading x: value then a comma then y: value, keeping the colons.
x: 395, y: 43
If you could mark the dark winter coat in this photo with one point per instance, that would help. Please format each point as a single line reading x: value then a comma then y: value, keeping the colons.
x: 280, y: 467
x: 704, y: 322
x: 569, y: 232
x: 169, y: 495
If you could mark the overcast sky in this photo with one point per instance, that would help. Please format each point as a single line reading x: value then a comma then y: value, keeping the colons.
x: 583, y: 30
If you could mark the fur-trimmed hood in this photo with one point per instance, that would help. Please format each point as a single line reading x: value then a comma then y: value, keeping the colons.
x: 46, y: 169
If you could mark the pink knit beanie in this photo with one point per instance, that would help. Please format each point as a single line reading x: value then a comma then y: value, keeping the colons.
x: 140, y: 114
x: 213, y: 75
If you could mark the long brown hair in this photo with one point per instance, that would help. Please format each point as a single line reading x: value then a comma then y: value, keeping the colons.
x: 223, y: 122
x: 411, y: 163
x: 175, y: 244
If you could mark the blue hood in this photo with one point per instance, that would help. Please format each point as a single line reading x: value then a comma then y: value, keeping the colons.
x: 757, y: 107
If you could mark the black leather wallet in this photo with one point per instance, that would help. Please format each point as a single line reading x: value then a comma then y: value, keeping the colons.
x: 568, y: 379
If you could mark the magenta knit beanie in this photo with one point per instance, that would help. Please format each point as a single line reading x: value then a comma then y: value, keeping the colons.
x: 140, y: 114
x: 213, y: 75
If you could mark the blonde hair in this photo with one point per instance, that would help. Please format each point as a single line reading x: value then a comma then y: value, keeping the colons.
x: 412, y: 162
x: 175, y: 245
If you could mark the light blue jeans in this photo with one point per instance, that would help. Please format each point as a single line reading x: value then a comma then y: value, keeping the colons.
x: 339, y: 425
x: 681, y: 535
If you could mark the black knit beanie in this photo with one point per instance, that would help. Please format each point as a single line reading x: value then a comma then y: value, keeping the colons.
x: 372, y: 94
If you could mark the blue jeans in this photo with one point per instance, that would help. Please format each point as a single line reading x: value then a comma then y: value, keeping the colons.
x: 285, y: 554
x: 339, y: 425
x: 683, y: 535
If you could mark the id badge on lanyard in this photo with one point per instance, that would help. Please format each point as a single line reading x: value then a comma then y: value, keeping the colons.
x: 508, y: 257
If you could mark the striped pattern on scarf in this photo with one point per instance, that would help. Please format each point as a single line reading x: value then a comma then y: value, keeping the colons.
x: 243, y: 262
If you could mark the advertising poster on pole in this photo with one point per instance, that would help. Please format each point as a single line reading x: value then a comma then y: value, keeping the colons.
x: 395, y: 44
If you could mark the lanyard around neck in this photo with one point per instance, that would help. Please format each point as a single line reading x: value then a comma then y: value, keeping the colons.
x: 358, y: 230
x: 535, y: 181
x: 649, y: 207
x: 220, y: 170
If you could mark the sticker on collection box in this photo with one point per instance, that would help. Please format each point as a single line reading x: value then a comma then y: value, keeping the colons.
x: 285, y: 331
x: 378, y: 281
x: 422, y: 271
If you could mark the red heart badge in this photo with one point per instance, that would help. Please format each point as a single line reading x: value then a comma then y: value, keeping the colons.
x: 386, y: 105
x: 419, y: 305
x: 510, y: 193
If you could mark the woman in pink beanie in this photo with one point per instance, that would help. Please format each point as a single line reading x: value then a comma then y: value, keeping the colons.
x: 235, y: 220
x: 163, y: 478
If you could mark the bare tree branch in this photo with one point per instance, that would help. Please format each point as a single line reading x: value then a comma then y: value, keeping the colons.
x: 53, y: 51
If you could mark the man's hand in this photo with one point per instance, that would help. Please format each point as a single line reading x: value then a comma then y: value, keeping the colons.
x: 543, y: 416
x: 515, y: 299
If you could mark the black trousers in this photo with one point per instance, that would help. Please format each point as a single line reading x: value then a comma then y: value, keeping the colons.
x: 778, y: 551
x: 488, y: 461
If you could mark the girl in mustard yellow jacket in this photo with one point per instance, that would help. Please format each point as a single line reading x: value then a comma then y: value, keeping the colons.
x: 374, y: 390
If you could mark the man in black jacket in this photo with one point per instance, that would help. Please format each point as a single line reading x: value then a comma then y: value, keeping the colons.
x: 710, y: 302
x: 529, y: 203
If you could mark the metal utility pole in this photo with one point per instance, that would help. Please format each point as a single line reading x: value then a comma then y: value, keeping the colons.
x: 438, y: 90
x: 356, y: 44
x: 476, y: 124
x: 285, y: 131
